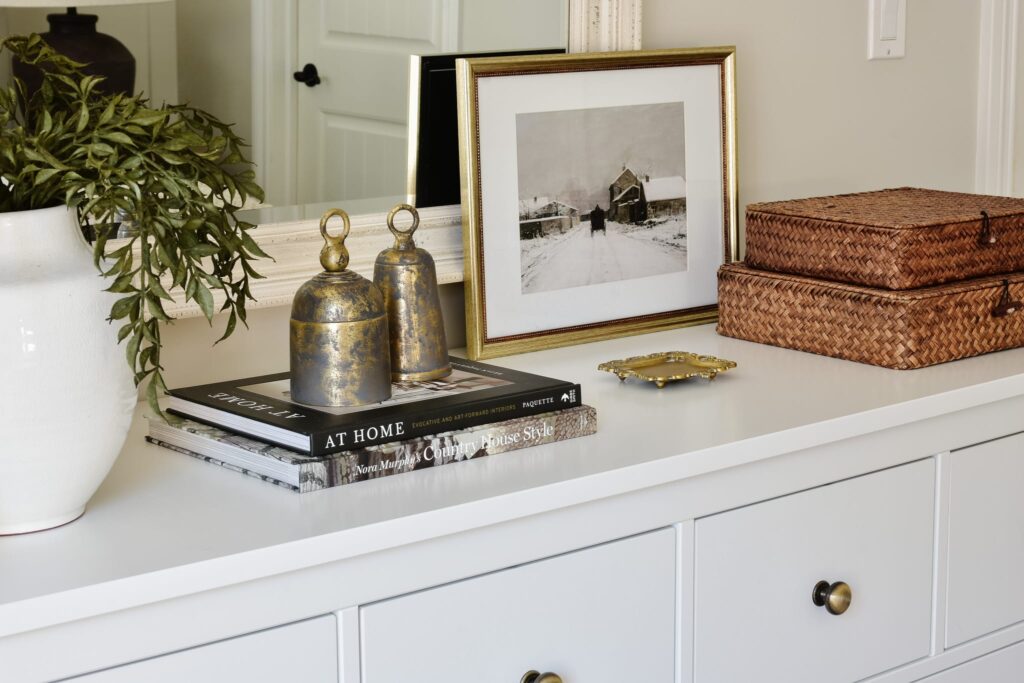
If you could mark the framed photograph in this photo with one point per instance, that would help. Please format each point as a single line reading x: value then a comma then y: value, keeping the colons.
x: 598, y: 194
x: 433, y: 178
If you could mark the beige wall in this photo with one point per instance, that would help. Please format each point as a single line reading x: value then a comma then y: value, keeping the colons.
x: 5, y: 61
x: 1018, y: 129
x: 215, y: 59
x: 815, y: 116
x: 487, y: 25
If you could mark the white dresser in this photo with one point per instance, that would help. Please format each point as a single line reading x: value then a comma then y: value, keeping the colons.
x: 799, y: 519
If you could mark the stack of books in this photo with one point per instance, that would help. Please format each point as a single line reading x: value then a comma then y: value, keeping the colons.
x: 251, y: 426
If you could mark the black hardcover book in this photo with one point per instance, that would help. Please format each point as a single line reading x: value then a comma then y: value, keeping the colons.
x: 474, y: 394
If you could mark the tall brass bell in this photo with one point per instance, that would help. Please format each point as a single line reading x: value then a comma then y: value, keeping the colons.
x: 339, y: 332
x: 408, y: 280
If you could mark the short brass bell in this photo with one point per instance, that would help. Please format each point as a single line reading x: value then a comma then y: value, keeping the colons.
x: 408, y: 280
x: 339, y: 332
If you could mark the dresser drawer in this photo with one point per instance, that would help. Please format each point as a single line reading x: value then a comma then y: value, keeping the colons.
x: 1001, y: 666
x: 305, y: 651
x: 986, y: 539
x: 757, y: 567
x: 606, y: 613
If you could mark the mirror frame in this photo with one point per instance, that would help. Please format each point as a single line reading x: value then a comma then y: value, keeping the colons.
x: 594, y: 26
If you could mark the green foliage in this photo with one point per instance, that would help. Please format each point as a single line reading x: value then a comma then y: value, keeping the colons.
x: 177, y: 172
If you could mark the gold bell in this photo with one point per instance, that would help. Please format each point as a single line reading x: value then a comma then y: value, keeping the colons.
x: 339, y: 332
x: 408, y: 280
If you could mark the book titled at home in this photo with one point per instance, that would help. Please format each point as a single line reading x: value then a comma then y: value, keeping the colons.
x: 301, y: 472
x: 474, y: 394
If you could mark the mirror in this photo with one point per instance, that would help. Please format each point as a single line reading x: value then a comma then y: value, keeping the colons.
x: 328, y: 120
x: 218, y: 67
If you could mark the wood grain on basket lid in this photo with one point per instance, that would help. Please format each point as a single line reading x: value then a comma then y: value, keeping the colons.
x: 894, y: 329
x: 897, y: 239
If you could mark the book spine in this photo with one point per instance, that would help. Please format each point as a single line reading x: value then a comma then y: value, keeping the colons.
x: 445, y: 448
x: 442, y: 419
x: 430, y: 451
x: 220, y: 463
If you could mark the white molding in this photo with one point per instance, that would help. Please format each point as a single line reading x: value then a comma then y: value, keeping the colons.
x: 274, y: 101
x: 604, y: 25
x: 295, y: 246
x: 997, y: 66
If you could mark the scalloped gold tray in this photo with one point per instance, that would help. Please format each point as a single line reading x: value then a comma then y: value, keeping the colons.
x: 662, y: 368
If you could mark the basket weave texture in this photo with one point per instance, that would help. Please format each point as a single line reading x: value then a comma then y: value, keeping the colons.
x: 894, y: 329
x: 902, y: 238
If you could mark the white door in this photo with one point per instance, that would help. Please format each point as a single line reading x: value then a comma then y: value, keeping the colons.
x: 352, y: 126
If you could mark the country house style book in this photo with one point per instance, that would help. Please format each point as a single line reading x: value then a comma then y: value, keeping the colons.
x: 304, y: 473
x: 474, y: 394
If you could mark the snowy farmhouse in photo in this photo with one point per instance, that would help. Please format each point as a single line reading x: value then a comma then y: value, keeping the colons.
x: 542, y: 216
x: 633, y: 199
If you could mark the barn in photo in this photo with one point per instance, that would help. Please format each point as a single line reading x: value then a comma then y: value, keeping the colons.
x: 634, y: 199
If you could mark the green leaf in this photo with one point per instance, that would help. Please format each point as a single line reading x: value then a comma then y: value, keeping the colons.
x: 83, y: 117
x: 228, y: 328
x: 205, y: 300
x: 131, y: 351
x: 123, y: 307
x: 45, y: 174
x: 125, y: 330
x: 204, y: 249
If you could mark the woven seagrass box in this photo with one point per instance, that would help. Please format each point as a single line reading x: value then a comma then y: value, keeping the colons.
x: 894, y: 329
x: 897, y: 239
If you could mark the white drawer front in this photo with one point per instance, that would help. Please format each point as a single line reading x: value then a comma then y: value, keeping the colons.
x: 606, y: 613
x: 306, y: 651
x: 1001, y: 666
x: 986, y: 539
x: 756, y: 568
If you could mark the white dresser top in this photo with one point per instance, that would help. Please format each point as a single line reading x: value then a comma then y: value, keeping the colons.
x: 164, y: 525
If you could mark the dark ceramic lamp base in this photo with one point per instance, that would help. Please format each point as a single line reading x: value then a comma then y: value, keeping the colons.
x: 74, y: 35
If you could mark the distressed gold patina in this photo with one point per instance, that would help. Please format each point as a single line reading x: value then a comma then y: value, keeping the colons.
x: 408, y: 280
x: 662, y: 368
x: 339, y: 334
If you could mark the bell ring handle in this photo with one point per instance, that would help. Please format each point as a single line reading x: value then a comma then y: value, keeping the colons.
x: 403, y: 238
x: 334, y: 256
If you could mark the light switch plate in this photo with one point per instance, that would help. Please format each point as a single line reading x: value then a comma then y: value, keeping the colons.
x: 887, y: 29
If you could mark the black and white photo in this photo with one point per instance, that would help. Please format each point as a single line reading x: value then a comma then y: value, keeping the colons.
x: 602, y: 195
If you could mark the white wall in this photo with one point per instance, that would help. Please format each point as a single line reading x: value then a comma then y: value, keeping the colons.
x: 815, y: 116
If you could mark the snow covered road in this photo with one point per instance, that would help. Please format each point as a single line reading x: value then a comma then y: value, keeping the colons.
x: 579, y: 258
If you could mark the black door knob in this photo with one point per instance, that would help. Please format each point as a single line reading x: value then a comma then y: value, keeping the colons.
x: 308, y: 75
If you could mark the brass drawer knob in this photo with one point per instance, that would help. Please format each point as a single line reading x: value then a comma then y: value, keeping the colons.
x: 537, y: 677
x: 834, y: 597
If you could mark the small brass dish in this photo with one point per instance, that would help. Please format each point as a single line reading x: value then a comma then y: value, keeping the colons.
x: 662, y: 368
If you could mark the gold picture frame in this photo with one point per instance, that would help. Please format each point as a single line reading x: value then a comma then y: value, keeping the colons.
x: 502, y: 102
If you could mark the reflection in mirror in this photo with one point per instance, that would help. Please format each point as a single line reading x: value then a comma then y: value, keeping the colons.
x: 336, y: 140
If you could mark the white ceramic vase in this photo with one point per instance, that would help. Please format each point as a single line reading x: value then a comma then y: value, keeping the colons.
x: 66, y: 393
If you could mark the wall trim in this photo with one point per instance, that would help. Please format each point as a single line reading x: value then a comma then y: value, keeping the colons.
x: 604, y: 25
x: 997, y: 73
